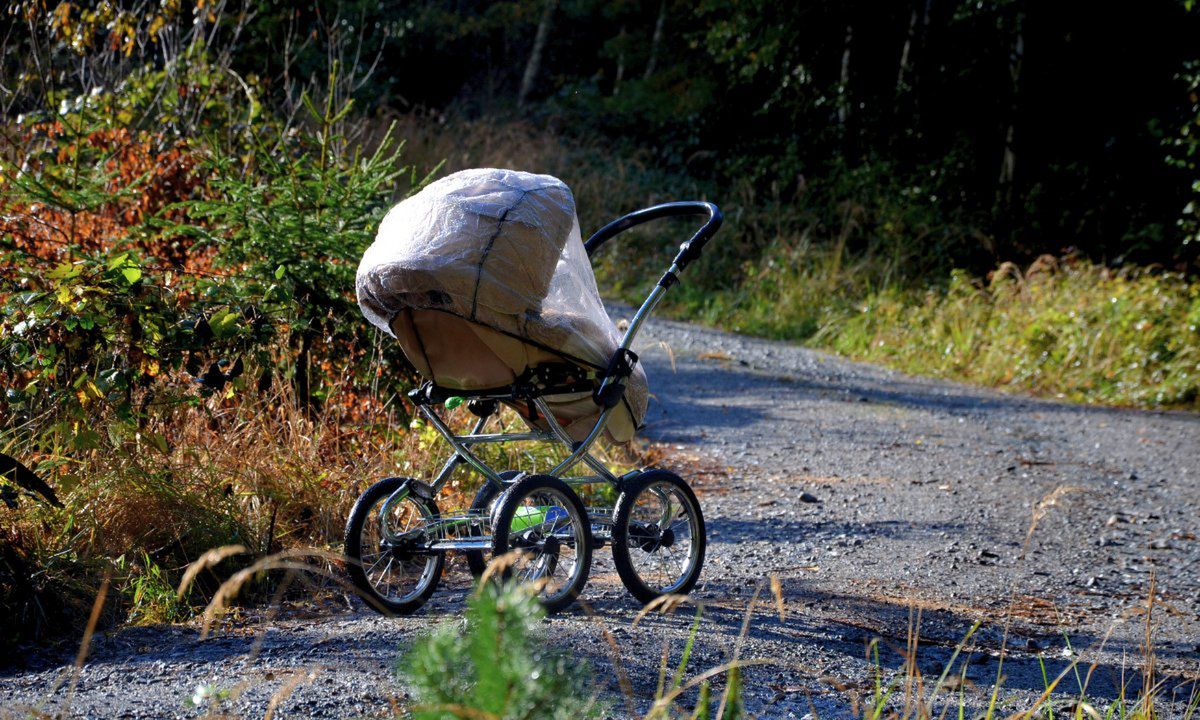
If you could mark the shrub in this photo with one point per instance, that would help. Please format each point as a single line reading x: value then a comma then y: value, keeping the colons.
x: 498, y: 666
x: 167, y: 306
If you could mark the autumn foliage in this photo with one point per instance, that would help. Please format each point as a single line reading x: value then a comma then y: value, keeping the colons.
x: 181, y: 353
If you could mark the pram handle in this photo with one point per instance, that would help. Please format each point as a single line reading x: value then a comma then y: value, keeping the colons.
x: 688, y: 251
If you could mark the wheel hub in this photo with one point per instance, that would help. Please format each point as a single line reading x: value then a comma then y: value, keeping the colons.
x: 406, y: 549
x: 668, y: 537
x: 648, y: 537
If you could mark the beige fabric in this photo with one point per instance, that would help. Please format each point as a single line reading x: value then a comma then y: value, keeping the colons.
x: 482, y: 276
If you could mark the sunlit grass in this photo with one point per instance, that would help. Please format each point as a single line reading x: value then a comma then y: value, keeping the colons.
x: 1067, y: 329
x: 252, y: 470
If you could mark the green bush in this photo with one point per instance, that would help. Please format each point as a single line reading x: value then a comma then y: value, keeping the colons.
x: 497, y: 665
x: 167, y: 304
x: 291, y: 219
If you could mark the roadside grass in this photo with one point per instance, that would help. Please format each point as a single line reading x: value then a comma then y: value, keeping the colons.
x: 249, y: 469
x: 1065, y: 328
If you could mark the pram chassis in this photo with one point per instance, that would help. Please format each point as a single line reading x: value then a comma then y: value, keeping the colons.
x: 442, y: 533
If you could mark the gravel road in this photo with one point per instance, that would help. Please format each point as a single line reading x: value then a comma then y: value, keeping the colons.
x: 877, y: 499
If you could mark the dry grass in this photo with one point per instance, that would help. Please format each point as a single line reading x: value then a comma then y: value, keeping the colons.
x: 250, y: 470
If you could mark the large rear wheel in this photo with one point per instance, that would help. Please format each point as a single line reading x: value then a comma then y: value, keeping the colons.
x: 387, y: 534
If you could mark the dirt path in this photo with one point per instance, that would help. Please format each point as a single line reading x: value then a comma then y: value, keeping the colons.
x: 925, y: 495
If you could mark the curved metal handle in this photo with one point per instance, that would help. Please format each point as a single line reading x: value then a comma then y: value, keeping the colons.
x: 688, y: 251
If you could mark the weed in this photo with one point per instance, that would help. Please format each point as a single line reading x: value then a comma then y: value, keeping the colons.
x: 497, y: 666
x: 153, y: 598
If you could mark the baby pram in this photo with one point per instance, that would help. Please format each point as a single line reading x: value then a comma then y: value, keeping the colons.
x: 486, y: 283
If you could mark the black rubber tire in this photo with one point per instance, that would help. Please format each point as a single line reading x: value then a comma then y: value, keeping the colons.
x: 353, y: 546
x: 506, y: 509
x: 488, y: 492
x: 620, y: 535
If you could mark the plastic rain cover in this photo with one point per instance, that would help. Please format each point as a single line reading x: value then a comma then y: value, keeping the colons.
x: 483, y: 275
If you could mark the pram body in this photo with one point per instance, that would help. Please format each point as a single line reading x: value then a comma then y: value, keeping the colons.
x: 484, y: 280
x: 486, y: 283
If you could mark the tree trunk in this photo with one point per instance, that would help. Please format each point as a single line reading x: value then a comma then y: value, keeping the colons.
x: 535, y: 55
x: 907, y: 101
x: 902, y: 75
x: 302, y: 377
x: 1008, y: 162
x: 620, y: 61
x: 656, y: 40
x: 843, y: 106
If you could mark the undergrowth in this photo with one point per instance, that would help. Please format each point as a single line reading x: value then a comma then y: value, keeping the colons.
x: 1065, y: 328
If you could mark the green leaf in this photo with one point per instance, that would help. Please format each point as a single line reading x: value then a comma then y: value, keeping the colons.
x: 86, y: 439
x: 132, y: 274
x: 65, y: 271
x: 158, y: 441
x: 224, y: 325
x: 279, y: 272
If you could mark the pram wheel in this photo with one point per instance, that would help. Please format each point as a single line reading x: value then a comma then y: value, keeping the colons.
x: 658, y: 536
x: 390, y: 564
x: 542, y: 517
x: 483, y: 503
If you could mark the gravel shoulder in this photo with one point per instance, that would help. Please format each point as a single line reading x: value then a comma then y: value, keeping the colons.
x: 921, y: 495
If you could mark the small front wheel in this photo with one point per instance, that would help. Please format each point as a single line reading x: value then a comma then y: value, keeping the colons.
x: 658, y: 536
x: 544, y: 519
x: 387, y: 536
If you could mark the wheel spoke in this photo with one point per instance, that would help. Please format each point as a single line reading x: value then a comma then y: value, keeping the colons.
x: 560, y: 530
x: 376, y: 563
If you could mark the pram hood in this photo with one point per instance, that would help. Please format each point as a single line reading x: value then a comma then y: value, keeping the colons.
x: 483, y: 275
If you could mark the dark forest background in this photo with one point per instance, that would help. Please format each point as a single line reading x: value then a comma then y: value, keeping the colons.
x: 1015, y: 128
